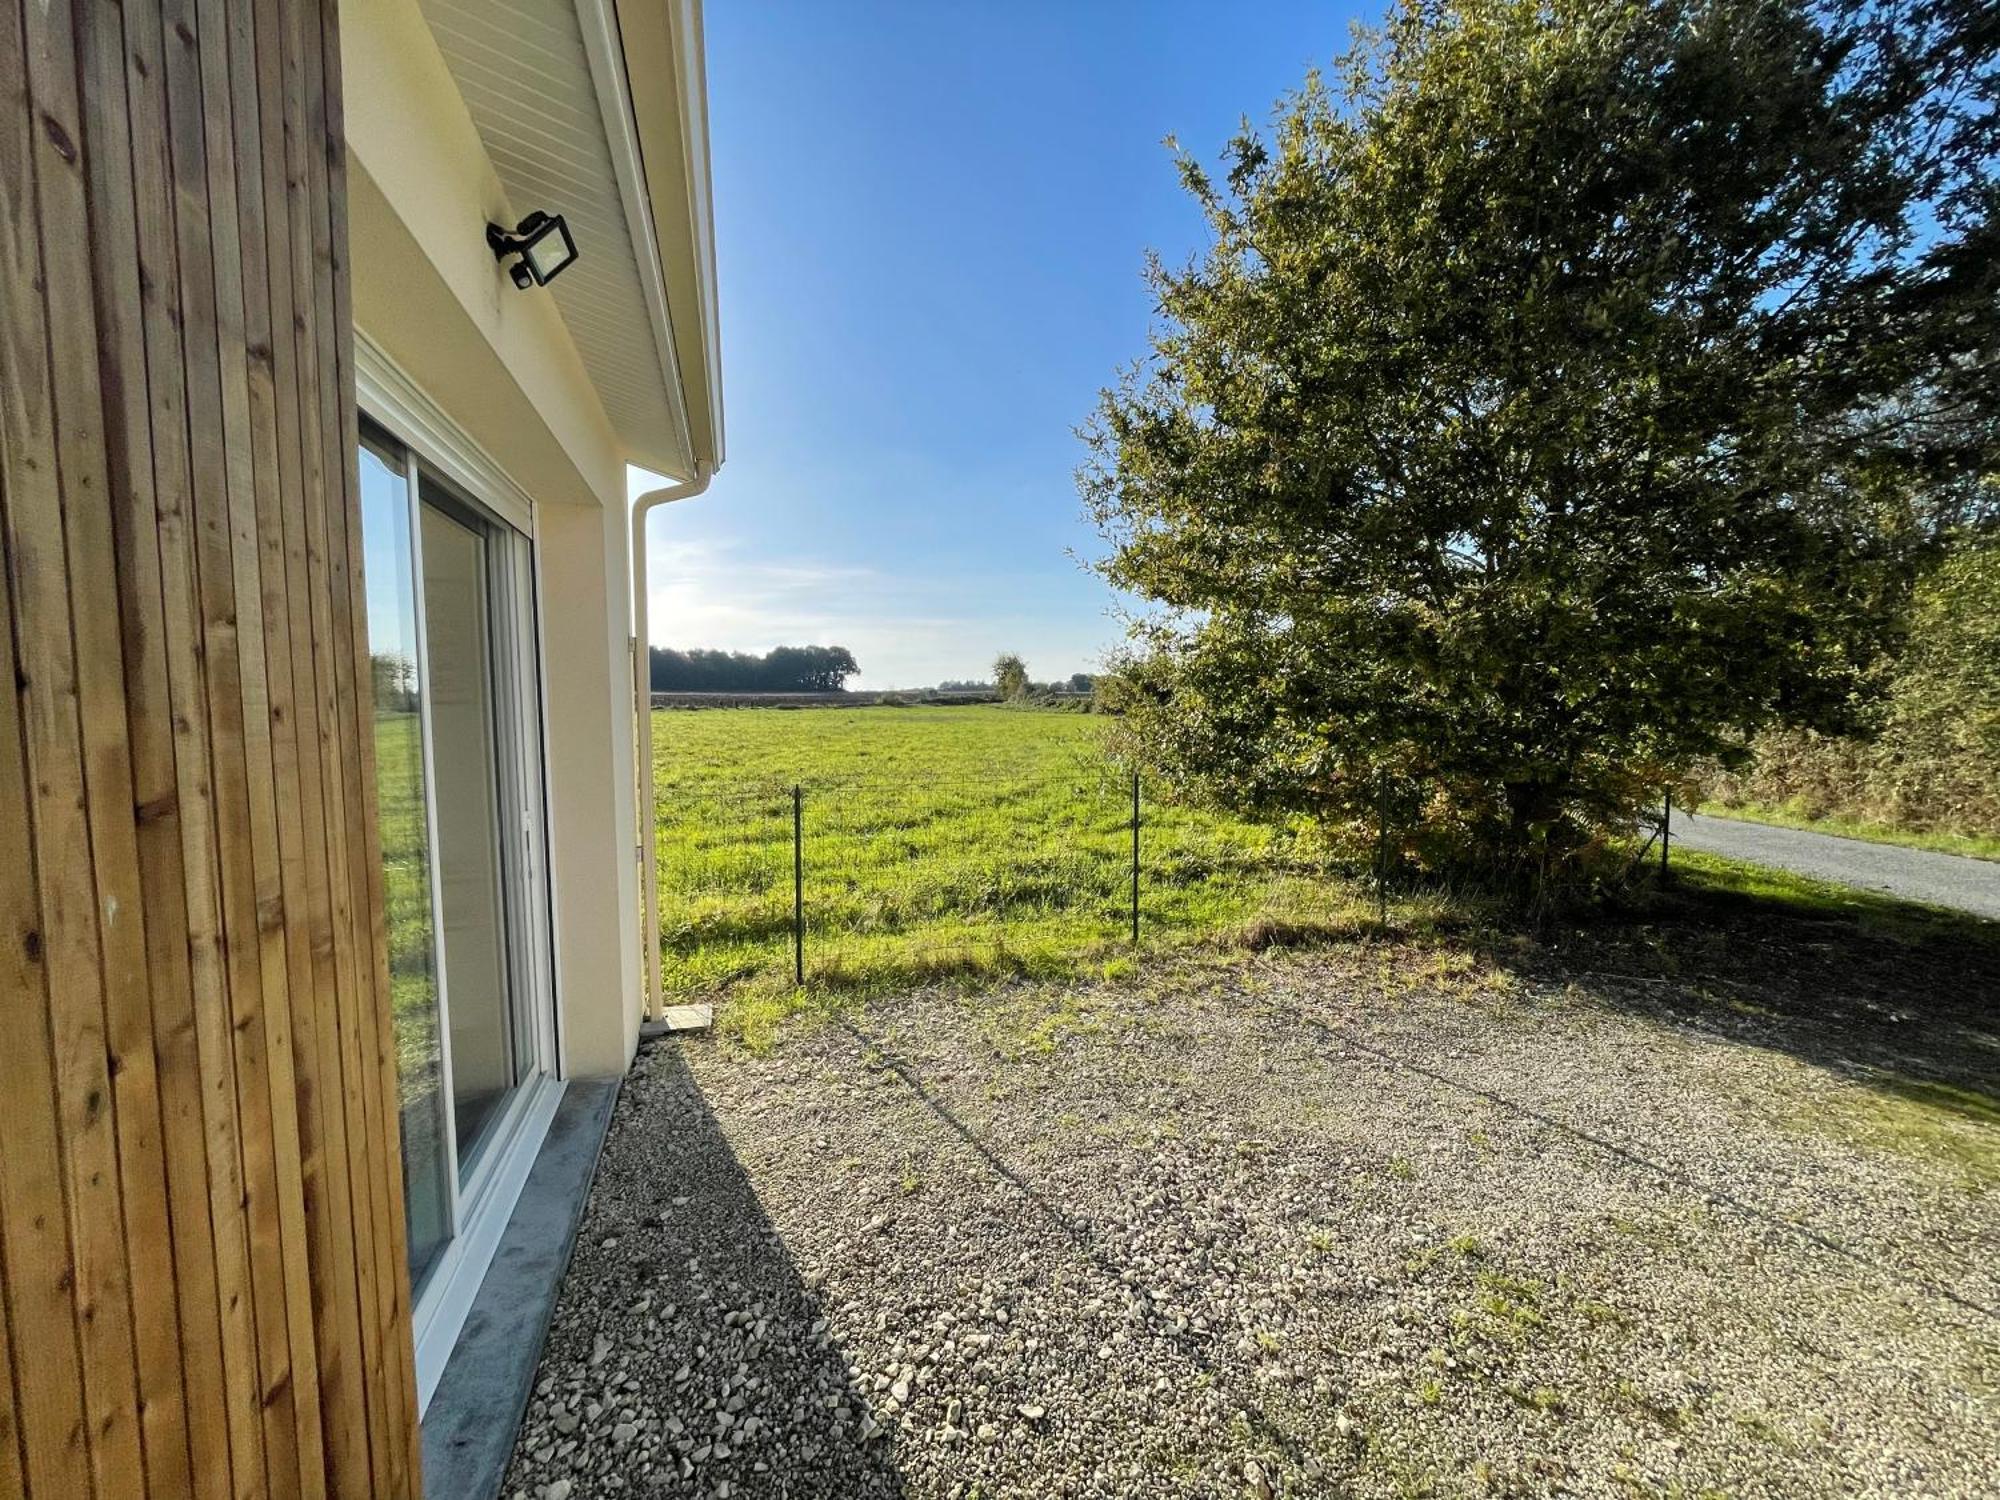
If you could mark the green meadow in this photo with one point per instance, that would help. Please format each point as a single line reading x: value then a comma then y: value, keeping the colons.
x: 939, y: 842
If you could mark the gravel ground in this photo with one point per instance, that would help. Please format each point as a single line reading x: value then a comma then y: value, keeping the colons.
x: 1951, y: 880
x: 1375, y: 1221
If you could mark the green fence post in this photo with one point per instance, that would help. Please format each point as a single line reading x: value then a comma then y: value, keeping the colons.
x: 1135, y: 859
x: 799, y: 885
x: 1382, y: 847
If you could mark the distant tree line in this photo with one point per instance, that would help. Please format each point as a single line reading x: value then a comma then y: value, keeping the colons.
x: 1010, y: 680
x: 788, y: 669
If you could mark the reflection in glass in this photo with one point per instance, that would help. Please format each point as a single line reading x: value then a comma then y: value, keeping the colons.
x: 393, y: 659
x: 462, y: 683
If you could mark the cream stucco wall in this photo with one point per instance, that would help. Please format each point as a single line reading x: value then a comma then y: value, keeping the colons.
x: 500, y: 364
x: 594, y: 840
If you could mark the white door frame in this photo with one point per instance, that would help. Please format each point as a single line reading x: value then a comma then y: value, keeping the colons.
x: 437, y: 449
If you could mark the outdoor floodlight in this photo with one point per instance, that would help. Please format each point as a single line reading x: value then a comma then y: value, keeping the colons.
x: 543, y: 242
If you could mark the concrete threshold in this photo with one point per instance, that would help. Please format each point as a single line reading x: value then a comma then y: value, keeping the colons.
x: 475, y: 1413
x: 678, y: 1018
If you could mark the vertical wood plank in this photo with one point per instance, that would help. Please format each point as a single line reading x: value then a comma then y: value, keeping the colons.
x: 392, y: 1247
x: 353, y: 745
x: 12, y: 1481
x: 223, y: 921
x: 228, y: 565
x: 153, y: 990
x: 202, y: 1279
x: 302, y: 815
x: 338, y: 1284
x: 177, y: 834
x: 230, y: 60
x: 34, y: 1220
x: 57, y: 534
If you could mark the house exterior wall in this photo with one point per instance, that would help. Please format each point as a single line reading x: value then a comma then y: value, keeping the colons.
x: 200, y: 1189
x: 201, y: 1197
x: 593, y: 875
x: 500, y: 360
x: 500, y: 363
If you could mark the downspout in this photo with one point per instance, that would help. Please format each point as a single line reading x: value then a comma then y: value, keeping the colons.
x: 642, y: 699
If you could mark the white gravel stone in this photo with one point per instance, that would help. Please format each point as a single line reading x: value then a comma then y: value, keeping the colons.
x: 1183, y: 1251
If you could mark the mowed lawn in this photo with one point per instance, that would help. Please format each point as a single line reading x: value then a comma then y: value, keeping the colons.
x: 939, y: 841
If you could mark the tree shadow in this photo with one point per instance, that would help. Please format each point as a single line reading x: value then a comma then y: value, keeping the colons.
x: 687, y: 1350
x: 1899, y: 999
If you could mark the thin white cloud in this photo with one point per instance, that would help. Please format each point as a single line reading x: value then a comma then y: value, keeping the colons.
x: 704, y: 594
x: 901, y: 630
x: 910, y: 615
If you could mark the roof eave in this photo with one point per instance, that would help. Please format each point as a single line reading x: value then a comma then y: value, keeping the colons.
x: 661, y: 94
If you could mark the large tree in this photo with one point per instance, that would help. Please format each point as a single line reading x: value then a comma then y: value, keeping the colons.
x: 1551, y: 407
x: 1010, y: 675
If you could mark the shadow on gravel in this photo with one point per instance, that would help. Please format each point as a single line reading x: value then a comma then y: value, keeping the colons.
x: 1669, y: 1170
x: 684, y: 1316
x: 1076, y: 1230
x: 1201, y: 1351
x: 1900, y: 999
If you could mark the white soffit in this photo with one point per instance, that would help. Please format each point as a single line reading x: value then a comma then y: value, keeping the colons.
x: 525, y: 73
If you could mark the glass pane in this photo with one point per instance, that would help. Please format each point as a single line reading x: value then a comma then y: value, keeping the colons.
x: 459, y: 637
x: 394, y: 666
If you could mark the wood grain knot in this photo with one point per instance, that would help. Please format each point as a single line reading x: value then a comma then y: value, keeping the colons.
x: 59, y: 138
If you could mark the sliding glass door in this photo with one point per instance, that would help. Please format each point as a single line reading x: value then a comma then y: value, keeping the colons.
x: 459, y: 793
x: 395, y: 657
x: 487, y: 1055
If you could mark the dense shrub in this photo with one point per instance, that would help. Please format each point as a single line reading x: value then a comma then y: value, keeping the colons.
x: 1010, y: 675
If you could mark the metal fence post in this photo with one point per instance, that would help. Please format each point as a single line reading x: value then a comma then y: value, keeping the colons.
x: 1666, y: 831
x: 799, y: 885
x: 1382, y: 847
x: 1135, y: 859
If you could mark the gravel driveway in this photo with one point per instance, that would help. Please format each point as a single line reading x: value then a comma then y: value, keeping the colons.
x: 1375, y: 1222
x: 1951, y: 880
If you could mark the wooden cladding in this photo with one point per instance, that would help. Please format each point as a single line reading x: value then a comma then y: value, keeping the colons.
x: 201, y: 1220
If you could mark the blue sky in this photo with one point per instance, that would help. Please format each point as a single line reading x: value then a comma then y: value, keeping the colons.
x: 931, y: 224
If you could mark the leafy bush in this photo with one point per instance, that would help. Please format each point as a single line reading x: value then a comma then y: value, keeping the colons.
x: 1010, y: 675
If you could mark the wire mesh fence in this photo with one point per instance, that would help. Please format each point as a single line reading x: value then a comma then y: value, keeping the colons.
x: 844, y: 880
x: 857, y: 880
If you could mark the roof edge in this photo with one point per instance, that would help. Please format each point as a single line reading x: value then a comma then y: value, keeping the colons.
x: 609, y: 82
x: 665, y: 77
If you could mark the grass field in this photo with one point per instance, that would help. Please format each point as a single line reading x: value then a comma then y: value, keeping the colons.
x: 406, y: 892
x: 939, y: 841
